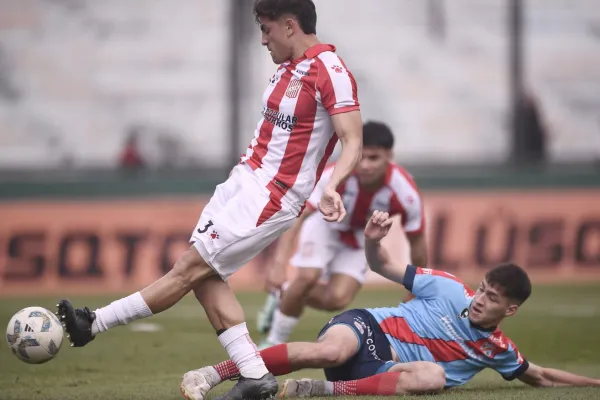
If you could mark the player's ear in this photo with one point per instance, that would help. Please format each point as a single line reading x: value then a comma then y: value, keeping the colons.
x: 512, y: 310
x: 289, y: 26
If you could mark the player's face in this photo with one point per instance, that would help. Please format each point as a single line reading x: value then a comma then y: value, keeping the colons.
x: 372, y: 167
x: 276, y: 37
x: 490, y: 306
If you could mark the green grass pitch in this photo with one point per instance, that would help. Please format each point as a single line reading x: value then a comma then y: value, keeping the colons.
x: 558, y: 327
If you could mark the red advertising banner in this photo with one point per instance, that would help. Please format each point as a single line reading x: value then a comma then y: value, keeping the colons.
x: 121, y: 245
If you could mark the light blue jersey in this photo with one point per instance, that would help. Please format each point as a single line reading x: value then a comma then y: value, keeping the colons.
x: 435, y: 327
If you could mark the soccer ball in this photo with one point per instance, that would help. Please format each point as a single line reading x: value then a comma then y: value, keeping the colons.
x: 34, y: 335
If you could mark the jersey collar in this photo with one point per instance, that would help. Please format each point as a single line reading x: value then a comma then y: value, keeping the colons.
x: 317, y: 49
x: 481, y: 328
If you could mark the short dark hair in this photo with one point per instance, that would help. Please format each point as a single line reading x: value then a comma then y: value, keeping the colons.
x: 377, y: 134
x: 304, y: 11
x: 512, y: 280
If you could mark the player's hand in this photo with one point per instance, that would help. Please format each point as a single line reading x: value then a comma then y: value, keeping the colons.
x: 275, y: 278
x: 331, y: 205
x: 378, y: 226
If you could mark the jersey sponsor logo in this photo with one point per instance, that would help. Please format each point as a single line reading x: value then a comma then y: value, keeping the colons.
x: 371, y: 344
x: 448, y: 327
x: 359, y: 327
x: 279, y: 119
x: 379, y: 205
x: 274, y: 79
x: 293, y: 88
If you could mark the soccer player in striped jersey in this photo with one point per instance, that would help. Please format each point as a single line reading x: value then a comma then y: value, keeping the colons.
x: 310, y: 103
x: 330, y: 258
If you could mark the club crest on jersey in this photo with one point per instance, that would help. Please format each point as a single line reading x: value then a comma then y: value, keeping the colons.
x: 293, y: 88
x: 464, y: 313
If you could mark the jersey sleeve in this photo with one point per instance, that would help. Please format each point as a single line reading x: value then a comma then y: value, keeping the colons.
x: 429, y: 283
x: 315, y: 196
x: 407, y: 202
x: 510, y: 363
x: 337, y: 85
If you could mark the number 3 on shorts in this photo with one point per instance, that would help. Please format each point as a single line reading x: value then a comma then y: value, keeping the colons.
x: 210, y: 223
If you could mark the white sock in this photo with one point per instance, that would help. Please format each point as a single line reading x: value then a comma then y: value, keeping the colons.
x: 281, y: 328
x: 120, y: 312
x: 328, y: 389
x: 243, y: 352
x: 212, y: 376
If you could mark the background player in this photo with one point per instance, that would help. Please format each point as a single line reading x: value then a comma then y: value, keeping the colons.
x: 311, y: 98
x: 440, y: 339
x: 335, y: 250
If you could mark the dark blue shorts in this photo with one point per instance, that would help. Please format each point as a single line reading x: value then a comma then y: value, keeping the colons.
x: 373, y: 355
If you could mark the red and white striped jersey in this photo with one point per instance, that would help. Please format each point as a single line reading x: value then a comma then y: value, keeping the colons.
x: 398, y: 195
x: 295, y: 136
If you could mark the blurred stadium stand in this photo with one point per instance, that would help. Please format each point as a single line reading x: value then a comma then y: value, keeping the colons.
x: 84, y: 73
x: 77, y: 76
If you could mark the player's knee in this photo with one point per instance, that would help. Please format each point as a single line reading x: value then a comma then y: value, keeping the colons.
x: 305, y: 280
x: 330, y: 355
x: 338, y: 300
x: 190, y: 269
x: 183, y: 272
x: 435, y: 377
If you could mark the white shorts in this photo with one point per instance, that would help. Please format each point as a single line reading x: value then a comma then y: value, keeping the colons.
x: 319, y: 246
x: 232, y: 229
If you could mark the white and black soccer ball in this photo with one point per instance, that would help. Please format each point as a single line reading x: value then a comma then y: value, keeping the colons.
x: 34, y: 335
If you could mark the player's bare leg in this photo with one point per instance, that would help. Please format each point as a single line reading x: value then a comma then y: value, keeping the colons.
x: 336, y: 346
x: 221, y: 306
x: 82, y: 325
x: 291, y: 306
x: 334, y: 295
x: 227, y: 317
x: 413, y: 378
x: 219, y: 302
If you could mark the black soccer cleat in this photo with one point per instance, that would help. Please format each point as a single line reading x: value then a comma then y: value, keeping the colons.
x: 252, y: 389
x: 77, y: 323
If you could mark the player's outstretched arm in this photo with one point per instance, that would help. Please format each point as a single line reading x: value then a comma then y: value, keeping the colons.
x: 548, y: 377
x: 378, y: 259
x: 348, y: 127
x: 418, y: 250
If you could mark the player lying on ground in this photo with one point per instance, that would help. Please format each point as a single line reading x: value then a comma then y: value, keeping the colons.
x: 333, y: 252
x: 440, y: 339
x: 309, y: 103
